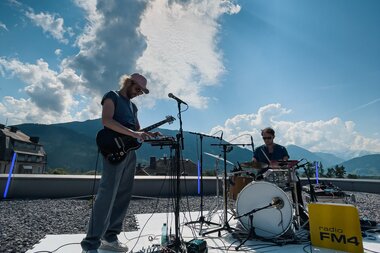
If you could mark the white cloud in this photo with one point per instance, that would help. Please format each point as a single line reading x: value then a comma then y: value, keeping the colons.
x: 110, y: 43
x: 52, y: 96
x: 58, y: 52
x: 333, y: 136
x: 3, y: 26
x: 89, y: 6
x: 50, y: 24
x: 156, y: 38
x: 24, y: 110
x: 118, y: 39
x: 182, y: 54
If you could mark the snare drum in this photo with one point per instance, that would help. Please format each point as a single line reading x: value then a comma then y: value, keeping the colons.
x: 279, y: 177
x: 270, y: 222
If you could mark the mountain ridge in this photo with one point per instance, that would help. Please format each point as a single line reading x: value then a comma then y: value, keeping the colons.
x: 72, y: 146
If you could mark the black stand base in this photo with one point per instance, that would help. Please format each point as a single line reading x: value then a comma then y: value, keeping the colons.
x: 250, y: 235
x: 202, y: 221
x: 225, y: 227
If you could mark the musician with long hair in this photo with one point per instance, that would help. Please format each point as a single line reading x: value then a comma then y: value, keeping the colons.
x: 119, y: 114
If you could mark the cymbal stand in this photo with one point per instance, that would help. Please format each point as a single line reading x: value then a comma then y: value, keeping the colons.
x: 252, y: 233
x: 202, y: 219
x: 225, y: 226
x: 293, y: 182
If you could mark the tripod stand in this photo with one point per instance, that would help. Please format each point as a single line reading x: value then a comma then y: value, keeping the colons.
x: 201, y: 218
x: 225, y: 226
x: 251, y: 233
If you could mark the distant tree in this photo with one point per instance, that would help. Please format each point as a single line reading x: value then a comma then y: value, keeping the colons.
x: 321, y: 171
x: 340, y: 171
x: 309, y: 170
x: 354, y: 176
x: 330, y: 172
x: 209, y: 173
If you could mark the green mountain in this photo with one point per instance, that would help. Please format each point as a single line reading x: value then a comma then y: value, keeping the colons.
x: 65, y: 148
x: 368, y: 165
x: 327, y: 160
x: 297, y: 153
x: 72, y: 146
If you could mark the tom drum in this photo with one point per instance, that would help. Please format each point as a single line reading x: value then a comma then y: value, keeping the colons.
x: 237, y: 184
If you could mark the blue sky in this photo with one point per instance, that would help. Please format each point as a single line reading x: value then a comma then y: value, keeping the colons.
x: 310, y: 69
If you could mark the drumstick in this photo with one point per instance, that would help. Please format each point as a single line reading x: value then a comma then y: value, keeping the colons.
x: 265, y: 156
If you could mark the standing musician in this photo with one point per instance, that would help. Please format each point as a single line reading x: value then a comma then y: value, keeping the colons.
x: 115, y: 189
x: 270, y: 153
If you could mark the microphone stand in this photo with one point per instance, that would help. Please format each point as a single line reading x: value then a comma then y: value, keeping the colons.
x: 225, y: 226
x: 177, y: 189
x: 202, y: 218
x: 180, y: 125
x: 252, y: 232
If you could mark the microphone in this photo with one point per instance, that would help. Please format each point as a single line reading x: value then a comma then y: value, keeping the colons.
x: 278, y: 202
x: 178, y: 99
x: 253, y: 146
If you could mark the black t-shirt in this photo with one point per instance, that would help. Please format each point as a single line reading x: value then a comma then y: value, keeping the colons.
x: 279, y: 152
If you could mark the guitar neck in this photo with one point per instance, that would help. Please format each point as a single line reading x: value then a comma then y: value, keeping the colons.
x: 146, y: 129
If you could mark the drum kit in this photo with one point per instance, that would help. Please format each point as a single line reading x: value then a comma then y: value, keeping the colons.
x: 263, y: 208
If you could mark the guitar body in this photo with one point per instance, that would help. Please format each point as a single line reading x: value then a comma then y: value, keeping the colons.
x: 115, y: 146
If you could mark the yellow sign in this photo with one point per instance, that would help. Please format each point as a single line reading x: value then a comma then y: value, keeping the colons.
x: 335, y: 226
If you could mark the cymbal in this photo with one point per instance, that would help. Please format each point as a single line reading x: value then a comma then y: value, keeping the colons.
x: 284, y: 164
x: 217, y: 157
x: 254, y: 165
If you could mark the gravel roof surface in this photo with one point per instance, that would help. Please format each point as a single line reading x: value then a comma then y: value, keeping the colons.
x: 24, y: 223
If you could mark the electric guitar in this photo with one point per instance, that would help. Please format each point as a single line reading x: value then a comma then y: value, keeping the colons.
x: 115, y: 146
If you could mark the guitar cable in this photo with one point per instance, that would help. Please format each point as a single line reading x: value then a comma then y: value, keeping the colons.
x: 92, y: 209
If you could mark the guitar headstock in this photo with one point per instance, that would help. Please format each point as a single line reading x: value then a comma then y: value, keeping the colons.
x: 169, y: 119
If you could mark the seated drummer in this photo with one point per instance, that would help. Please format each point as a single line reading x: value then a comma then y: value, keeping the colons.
x: 270, y: 152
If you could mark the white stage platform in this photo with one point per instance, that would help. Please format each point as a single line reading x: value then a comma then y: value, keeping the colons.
x: 149, y: 234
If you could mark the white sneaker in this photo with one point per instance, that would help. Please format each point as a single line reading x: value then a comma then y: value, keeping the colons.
x: 115, y: 246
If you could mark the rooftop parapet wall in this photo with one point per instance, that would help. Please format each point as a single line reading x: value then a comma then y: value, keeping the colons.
x: 35, y: 186
x: 72, y: 186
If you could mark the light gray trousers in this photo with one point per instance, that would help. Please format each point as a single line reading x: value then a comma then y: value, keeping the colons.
x: 111, y: 203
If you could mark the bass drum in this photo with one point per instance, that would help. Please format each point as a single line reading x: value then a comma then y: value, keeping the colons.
x: 270, y: 222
